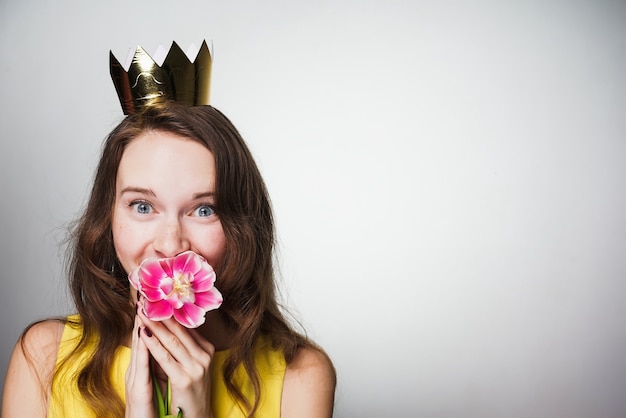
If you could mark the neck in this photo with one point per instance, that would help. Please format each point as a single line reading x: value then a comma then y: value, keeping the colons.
x: 216, y: 331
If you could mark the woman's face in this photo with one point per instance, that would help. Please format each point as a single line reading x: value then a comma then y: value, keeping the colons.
x: 164, y: 200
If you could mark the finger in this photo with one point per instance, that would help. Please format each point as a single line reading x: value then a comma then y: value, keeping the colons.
x: 161, y: 354
x: 173, y: 357
x: 140, y: 356
x: 169, y: 339
x: 142, y: 372
x: 200, y: 351
x: 190, y: 338
x: 138, y: 378
x: 130, y: 371
x: 176, y: 339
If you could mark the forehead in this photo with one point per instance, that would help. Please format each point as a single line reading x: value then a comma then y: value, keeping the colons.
x: 157, y: 158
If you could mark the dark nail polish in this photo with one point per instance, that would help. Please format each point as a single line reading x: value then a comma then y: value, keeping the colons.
x: 139, y: 331
x: 147, y: 332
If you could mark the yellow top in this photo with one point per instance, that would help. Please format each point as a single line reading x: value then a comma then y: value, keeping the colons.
x: 66, y: 401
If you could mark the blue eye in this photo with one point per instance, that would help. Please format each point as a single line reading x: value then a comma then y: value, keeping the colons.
x: 204, y: 210
x: 142, y: 207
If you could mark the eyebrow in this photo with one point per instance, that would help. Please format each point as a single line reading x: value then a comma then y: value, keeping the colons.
x: 142, y: 190
x: 202, y: 195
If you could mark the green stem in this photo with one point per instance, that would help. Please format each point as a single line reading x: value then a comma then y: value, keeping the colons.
x: 164, y: 404
x: 168, y: 402
x: 159, y: 398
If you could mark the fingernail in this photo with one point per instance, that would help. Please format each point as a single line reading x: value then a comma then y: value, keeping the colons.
x: 139, y: 331
x: 147, y: 332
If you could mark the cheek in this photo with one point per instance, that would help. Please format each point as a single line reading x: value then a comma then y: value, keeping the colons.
x: 123, y: 244
x: 214, y: 247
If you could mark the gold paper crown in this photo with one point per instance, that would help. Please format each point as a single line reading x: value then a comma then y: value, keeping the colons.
x: 178, y: 79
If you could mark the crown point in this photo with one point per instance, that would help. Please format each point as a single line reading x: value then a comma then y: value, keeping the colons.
x: 178, y: 78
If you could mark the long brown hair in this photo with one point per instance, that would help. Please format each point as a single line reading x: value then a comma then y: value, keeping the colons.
x: 100, y: 287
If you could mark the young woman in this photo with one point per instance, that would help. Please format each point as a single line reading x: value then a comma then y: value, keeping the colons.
x: 172, y: 178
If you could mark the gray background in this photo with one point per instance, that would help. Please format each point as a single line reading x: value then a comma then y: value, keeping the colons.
x: 448, y: 179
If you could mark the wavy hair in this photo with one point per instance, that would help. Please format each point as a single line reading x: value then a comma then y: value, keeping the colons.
x: 100, y: 287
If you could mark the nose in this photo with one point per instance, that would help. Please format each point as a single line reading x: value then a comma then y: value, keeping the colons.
x: 170, y: 239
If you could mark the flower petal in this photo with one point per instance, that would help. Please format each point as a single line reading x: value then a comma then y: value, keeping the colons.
x: 175, y: 300
x: 181, y: 286
x: 151, y: 272
x: 209, y: 300
x: 166, y: 285
x: 166, y: 266
x: 187, y: 262
x: 190, y: 315
x: 159, y: 310
x: 203, y: 280
x: 152, y: 294
x: 133, y: 277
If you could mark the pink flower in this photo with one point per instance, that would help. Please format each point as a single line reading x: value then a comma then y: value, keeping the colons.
x: 181, y: 286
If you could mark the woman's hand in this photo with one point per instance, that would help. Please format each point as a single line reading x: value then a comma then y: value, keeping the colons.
x: 182, y: 356
x: 139, y: 403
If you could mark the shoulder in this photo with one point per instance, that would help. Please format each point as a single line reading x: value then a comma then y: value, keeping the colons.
x: 309, y: 386
x: 43, y: 338
x: 310, y: 362
x: 40, y: 342
x: 31, y: 368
